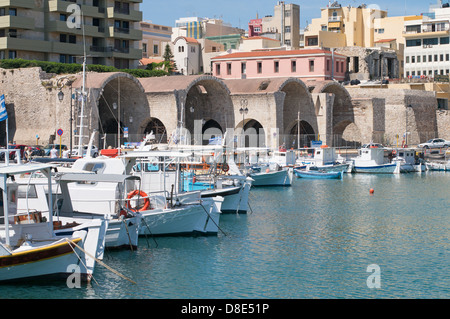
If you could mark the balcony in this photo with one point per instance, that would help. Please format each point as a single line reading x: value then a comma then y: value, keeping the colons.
x: 17, y: 4
x: 88, y: 11
x: 131, y: 15
x: 17, y: 22
x: 110, y: 51
x: 21, y: 44
x: 61, y: 27
x: 123, y: 33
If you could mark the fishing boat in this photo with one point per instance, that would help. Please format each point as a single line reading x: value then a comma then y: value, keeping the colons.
x: 29, y: 245
x: 318, y: 174
x: 371, y: 160
x: 164, y: 211
x: 80, y: 197
x: 407, y: 160
x: 324, y: 158
x: 272, y: 176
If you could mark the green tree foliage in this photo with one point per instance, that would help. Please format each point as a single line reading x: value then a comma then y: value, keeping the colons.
x: 66, y: 68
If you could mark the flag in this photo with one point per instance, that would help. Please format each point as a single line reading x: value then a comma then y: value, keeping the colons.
x: 3, y: 113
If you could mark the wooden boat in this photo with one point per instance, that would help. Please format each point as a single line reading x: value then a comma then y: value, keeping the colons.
x: 29, y: 247
x: 318, y: 174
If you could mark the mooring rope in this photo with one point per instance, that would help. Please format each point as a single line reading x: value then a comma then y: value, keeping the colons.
x: 100, y: 262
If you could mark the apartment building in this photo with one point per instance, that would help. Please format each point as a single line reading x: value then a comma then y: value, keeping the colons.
x: 58, y: 31
x: 307, y: 65
x: 283, y: 25
x: 199, y: 28
x: 427, y: 37
x: 155, y: 37
x: 372, y: 41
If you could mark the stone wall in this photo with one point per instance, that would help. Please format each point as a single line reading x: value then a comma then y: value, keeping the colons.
x: 33, y: 106
x: 443, y: 124
x: 419, y: 119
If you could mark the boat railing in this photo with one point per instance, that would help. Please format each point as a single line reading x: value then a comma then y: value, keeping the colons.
x: 5, y: 155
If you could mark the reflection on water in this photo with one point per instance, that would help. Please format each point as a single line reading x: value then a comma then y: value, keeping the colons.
x: 312, y: 240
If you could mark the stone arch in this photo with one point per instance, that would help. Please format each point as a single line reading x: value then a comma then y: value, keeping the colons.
x: 303, y: 137
x: 254, y: 133
x: 211, y: 129
x: 347, y: 133
x: 341, y: 109
x: 156, y: 126
x: 298, y: 104
x: 113, y: 98
x: 206, y: 98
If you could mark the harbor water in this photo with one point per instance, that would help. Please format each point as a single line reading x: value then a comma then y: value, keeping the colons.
x: 315, y: 239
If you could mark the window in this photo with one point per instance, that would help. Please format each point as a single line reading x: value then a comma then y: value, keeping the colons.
x: 259, y: 67
x: 447, y: 57
x: 413, y: 59
x: 155, y: 49
x: 311, y: 65
x: 414, y: 43
x: 276, y: 66
x: 293, y: 66
x: 63, y: 17
x: 287, y: 29
x: 217, y: 69
x: 62, y: 38
x: 192, y: 49
x: 431, y: 41
x: 22, y: 191
x: 418, y: 59
x: 313, y: 41
x: 328, y: 65
x: 407, y: 59
x: 430, y: 58
x: 342, y: 67
x: 62, y: 58
x: 424, y: 57
x: 228, y: 68
x: 445, y: 40
x: 73, y: 39
x: 324, y: 28
x: 12, y: 12
x: 243, y: 68
x: 441, y: 57
x: 337, y: 67
x: 435, y: 58
x: 144, y: 47
x: 380, y: 30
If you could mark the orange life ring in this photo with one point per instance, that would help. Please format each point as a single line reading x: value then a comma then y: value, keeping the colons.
x: 225, y: 167
x: 142, y: 194
x: 394, y: 152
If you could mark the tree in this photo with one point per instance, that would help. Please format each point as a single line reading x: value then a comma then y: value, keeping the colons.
x: 169, y: 63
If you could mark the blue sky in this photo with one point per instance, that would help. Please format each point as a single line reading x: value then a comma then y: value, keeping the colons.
x: 239, y: 12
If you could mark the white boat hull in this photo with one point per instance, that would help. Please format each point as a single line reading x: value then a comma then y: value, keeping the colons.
x: 376, y: 169
x: 235, y: 199
x: 195, y: 219
x: 58, y: 258
x: 273, y: 178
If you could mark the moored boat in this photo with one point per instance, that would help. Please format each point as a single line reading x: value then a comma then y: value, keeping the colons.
x: 318, y: 174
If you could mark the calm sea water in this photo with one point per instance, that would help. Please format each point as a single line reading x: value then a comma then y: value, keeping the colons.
x: 312, y: 240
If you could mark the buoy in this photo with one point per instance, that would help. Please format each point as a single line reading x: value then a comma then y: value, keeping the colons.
x: 267, y: 170
x: 371, y: 191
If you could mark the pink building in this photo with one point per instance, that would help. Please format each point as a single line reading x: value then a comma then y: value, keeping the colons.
x: 254, y: 27
x: 315, y: 65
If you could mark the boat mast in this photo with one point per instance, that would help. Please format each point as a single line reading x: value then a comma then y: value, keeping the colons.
x: 83, y: 95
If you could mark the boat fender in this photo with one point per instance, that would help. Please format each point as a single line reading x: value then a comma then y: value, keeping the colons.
x: 142, y: 194
x: 194, y: 179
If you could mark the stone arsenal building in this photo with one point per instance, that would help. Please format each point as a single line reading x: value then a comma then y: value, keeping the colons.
x: 269, y: 109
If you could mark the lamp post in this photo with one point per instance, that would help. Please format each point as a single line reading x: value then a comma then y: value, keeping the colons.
x: 243, y: 110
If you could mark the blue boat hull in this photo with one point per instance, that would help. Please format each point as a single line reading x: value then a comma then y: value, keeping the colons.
x: 318, y: 175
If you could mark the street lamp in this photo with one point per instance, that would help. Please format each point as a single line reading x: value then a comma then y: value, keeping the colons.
x: 243, y: 110
x: 60, y: 96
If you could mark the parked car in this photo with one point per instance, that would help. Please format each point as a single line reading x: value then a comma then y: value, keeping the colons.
x: 12, y: 155
x: 94, y: 151
x: 49, y: 147
x: 377, y: 145
x: 37, y: 150
x: 435, y: 143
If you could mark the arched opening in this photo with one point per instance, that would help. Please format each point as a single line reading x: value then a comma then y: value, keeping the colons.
x: 208, y: 108
x: 347, y: 134
x: 253, y: 136
x: 156, y: 127
x: 301, y: 138
x: 211, y: 132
